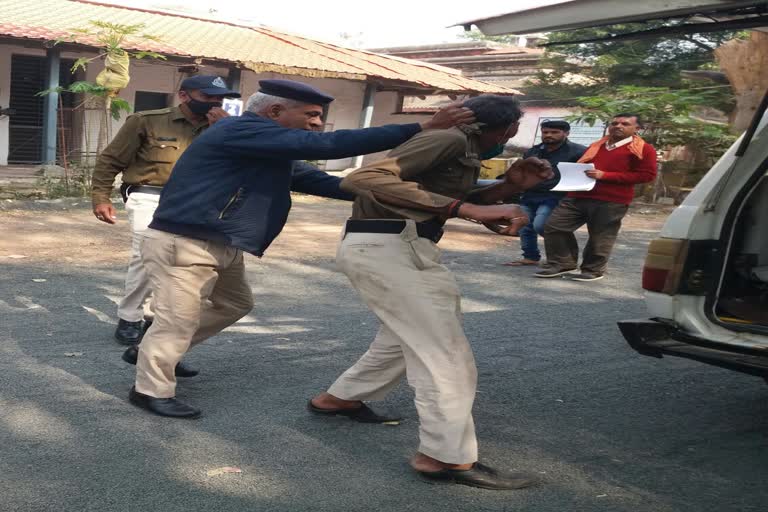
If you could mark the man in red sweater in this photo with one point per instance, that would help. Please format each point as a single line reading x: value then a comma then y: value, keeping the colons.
x: 621, y: 160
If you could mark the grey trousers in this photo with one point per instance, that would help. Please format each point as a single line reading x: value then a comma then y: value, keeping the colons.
x: 603, y: 220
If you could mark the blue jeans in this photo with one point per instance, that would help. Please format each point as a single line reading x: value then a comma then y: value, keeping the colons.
x: 538, y: 210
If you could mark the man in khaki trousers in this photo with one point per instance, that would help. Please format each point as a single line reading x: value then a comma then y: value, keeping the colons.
x: 228, y: 194
x: 389, y: 252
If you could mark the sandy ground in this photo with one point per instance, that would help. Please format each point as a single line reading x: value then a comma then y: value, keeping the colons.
x: 65, y: 231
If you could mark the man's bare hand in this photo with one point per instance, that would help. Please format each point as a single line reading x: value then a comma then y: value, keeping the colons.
x: 500, y: 213
x: 448, y: 116
x: 527, y: 173
x: 105, y: 213
x: 595, y: 174
x: 215, y: 114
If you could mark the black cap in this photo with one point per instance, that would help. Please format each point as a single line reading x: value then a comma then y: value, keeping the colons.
x: 557, y: 124
x: 211, y: 85
x: 294, y: 91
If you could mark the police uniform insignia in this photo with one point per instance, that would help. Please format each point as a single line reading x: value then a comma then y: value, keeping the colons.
x: 219, y: 82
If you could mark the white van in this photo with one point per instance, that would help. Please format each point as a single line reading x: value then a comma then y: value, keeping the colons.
x: 706, y: 275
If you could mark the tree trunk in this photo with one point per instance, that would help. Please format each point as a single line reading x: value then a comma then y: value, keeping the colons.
x: 105, y: 125
x: 745, y: 63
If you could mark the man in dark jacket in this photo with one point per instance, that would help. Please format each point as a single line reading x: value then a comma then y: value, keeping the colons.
x: 229, y: 193
x: 539, y: 201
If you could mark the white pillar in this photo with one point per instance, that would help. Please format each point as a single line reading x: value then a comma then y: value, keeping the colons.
x: 366, y: 116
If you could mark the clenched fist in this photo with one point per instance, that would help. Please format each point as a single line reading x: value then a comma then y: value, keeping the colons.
x: 527, y: 173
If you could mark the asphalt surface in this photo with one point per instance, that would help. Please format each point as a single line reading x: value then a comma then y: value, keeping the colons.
x: 560, y: 394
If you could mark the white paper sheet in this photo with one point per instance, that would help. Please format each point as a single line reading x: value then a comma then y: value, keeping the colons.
x: 573, y: 179
x: 232, y: 106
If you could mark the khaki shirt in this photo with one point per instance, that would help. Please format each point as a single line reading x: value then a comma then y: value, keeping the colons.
x: 144, y: 150
x: 419, y: 179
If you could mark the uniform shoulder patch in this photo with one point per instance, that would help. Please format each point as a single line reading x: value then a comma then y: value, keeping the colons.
x: 157, y: 112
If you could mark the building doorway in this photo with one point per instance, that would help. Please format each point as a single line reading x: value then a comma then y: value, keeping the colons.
x: 25, y: 134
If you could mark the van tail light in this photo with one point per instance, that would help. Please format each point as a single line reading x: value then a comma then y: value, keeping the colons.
x: 664, y: 264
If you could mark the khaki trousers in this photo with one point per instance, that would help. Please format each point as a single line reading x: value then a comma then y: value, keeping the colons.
x: 199, y: 288
x: 417, y: 301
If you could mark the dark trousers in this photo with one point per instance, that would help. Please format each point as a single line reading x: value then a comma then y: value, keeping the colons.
x: 603, y: 220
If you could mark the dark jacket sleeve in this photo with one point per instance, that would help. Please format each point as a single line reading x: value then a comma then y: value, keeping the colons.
x: 308, y: 179
x: 270, y: 140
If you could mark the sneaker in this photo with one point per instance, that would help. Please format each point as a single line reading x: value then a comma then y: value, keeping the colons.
x: 552, y: 272
x: 585, y: 276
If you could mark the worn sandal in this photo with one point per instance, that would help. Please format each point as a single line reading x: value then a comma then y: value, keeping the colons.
x: 482, y: 476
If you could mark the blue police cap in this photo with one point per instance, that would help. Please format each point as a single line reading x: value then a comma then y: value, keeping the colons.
x: 209, y: 84
x: 294, y: 91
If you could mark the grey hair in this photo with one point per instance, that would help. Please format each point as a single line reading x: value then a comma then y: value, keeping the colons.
x: 495, y: 111
x: 258, y: 102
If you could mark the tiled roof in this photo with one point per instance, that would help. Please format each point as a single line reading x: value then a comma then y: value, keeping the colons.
x: 257, y: 48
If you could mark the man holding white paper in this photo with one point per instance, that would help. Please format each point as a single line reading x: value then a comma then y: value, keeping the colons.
x: 620, y: 161
x: 539, y: 202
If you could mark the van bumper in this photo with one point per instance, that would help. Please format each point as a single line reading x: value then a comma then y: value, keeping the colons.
x: 658, y: 339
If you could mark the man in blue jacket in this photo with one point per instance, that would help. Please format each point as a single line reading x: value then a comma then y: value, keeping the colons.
x: 229, y: 193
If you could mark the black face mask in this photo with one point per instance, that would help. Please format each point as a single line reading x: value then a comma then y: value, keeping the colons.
x: 201, y: 108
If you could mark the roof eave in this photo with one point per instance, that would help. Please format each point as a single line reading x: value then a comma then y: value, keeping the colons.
x: 576, y: 14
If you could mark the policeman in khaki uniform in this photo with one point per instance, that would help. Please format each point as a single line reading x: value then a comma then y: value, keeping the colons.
x: 389, y: 253
x: 145, y: 150
x: 230, y: 193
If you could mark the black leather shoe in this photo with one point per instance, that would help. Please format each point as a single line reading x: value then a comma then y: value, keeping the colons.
x: 162, y: 406
x: 128, y: 333
x: 482, y: 476
x: 131, y: 355
x: 363, y: 414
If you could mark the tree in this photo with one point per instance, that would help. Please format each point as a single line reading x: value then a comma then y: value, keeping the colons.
x: 111, y: 40
x: 667, y: 123
x: 666, y: 115
x: 602, y: 66
x: 745, y: 63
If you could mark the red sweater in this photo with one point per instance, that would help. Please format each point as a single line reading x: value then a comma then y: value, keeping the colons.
x: 623, y: 171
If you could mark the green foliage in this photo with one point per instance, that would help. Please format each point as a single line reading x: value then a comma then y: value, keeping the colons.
x: 601, y: 67
x: 112, y: 38
x: 76, y: 183
x: 666, y: 114
x: 80, y: 63
x: 117, y: 106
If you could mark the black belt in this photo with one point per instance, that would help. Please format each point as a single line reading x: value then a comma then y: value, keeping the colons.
x: 126, y: 190
x: 429, y: 230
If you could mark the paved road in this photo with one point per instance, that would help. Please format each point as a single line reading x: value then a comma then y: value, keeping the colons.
x: 560, y: 394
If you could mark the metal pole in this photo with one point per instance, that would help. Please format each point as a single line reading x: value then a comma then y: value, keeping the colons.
x: 366, y: 115
x: 51, y: 104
